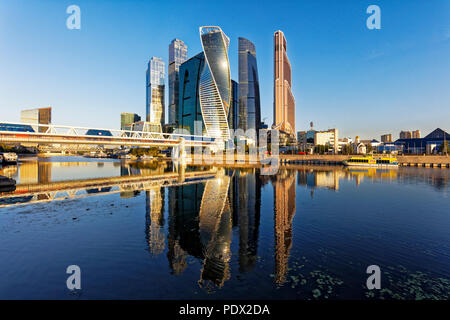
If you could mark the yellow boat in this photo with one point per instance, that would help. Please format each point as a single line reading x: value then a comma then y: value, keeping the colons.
x: 371, y: 161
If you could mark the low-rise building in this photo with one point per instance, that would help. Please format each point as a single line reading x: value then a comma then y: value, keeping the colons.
x: 146, y: 126
x: 360, y: 148
x: 308, y: 139
x: 127, y: 120
x: 429, y: 144
x: 37, y: 116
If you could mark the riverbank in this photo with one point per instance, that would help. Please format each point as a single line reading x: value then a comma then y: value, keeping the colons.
x: 432, y: 161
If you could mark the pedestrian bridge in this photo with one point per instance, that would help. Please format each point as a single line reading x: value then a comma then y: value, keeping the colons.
x: 11, y: 132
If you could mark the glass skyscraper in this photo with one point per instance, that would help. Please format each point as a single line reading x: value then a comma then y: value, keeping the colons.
x: 233, y: 114
x: 155, y: 92
x: 284, y: 102
x: 177, y: 55
x: 189, y: 109
x: 215, y: 82
x: 249, y: 99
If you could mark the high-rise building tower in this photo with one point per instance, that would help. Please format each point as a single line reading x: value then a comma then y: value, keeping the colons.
x: 249, y: 99
x: 233, y: 114
x: 189, y: 111
x: 177, y: 55
x: 284, y: 102
x: 215, y: 82
x: 155, y: 92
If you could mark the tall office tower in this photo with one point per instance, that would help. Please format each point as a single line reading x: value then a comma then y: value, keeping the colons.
x: 37, y: 116
x: 249, y: 100
x: 233, y: 114
x: 416, y: 134
x: 155, y: 92
x: 284, y: 102
x: 215, y: 82
x: 189, y: 110
x: 177, y: 55
x: 127, y: 119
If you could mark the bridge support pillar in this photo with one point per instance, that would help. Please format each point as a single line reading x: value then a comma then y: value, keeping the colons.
x: 181, y: 169
x: 179, y: 151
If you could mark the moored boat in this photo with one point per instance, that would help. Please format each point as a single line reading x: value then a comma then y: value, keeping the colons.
x: 371, y: 161
x: 8, y: 157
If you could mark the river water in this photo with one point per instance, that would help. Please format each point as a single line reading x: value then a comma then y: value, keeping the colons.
x: 160, y: 231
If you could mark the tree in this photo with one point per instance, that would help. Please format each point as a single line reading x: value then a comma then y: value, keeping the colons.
x: 442, y: 147
x: 347, y: 149
x: 321, y: 149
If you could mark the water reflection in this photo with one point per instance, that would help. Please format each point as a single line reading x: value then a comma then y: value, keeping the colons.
x: 154, y: 218
x: 284, y: 211
x: 198, y: 209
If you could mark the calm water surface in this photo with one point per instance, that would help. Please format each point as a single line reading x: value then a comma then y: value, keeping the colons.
x: 158, y: 231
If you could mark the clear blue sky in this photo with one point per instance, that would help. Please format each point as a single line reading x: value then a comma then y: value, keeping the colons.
x: 363, y: 82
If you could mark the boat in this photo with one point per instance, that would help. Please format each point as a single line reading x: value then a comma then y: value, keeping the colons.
x: 146, y: 157
x: 6, y: 183
x: 8, y: 157
x: 371, y: 161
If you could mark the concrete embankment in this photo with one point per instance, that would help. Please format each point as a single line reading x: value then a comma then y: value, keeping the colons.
x: 430, y: 161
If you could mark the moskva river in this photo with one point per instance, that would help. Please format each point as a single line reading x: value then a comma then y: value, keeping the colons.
x: 149, y: 230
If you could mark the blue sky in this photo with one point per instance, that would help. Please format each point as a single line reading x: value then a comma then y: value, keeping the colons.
x: 363, y: 82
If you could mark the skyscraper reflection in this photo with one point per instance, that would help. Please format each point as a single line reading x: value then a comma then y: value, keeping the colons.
x: 184, y: 237
x: 284, y: 210
x: 154, y: 217
x: 215, y: 233
x: 245, y: 196
x: 35, y: 172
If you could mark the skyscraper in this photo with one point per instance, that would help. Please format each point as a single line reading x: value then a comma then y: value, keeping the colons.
x: 155, y: 92
x: 189, y: 110
x: 177, y: 55
x: 284, y: 102
x: 233, y: 114
x: 215, y: 82
x: 249, y: 99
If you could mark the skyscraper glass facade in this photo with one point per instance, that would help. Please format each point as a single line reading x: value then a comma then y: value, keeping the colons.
x: 155, y: 91
x: 249, y: 98
x: 215, y: 82
x: 233, y: 114
x: 284, y: 102
x: 189, y: 109
x: 177, y: 55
